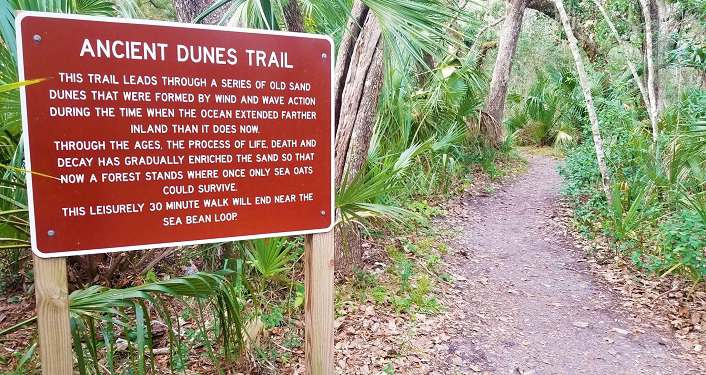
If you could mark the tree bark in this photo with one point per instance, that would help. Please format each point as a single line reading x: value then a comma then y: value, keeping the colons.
x: 492, y: 125
x: 670, y: 22
x: 358, y: 101
x: 345, y: 52
x: 293, y: 16
x: 658, y: 17
x: 358, y: 82
x: 187, y: 10
x: 586, y: 88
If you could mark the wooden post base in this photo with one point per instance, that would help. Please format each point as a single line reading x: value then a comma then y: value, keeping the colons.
x: 51, y: 288
x: 319, y: 300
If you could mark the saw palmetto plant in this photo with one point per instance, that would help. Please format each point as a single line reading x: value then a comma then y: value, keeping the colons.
x: 114, y: 331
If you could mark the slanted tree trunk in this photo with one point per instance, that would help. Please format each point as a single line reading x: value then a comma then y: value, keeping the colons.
x: 650, y: 54
x: 357, y: 84
x: 645, y: 97
x: 358, y: 100
x: 359, y: 13
x: 492, y: 125
x: 586, y: 88
x: 491, y: 122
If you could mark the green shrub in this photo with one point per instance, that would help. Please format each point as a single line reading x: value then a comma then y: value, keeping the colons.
x: 684, y: 245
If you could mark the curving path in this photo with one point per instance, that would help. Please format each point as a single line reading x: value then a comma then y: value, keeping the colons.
x: 526, y: 301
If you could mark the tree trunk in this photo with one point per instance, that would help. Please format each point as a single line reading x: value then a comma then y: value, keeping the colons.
x: 359, y: 101
x: 345, y: 52
x: 187, y: 10
x: 491, y: 121
x: 293, y: 16
x: 659, y: 39
x: 492, y: 125
x: 586, y: 88
x: 670, y: 23
x: 358, y: 81
x: 650, y: 54
x: 645, y: 97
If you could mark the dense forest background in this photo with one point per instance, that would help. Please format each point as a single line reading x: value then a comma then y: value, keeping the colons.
x: 429, y: 95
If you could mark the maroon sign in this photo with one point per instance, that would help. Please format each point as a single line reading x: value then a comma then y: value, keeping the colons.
x: 148, y: 134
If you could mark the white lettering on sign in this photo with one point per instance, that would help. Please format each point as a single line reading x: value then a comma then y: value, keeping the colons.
x: 197, y: 54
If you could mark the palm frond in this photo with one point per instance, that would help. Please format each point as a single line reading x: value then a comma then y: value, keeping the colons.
x: 412, y: 28
x: 127, y: 314
x: 270, y: 257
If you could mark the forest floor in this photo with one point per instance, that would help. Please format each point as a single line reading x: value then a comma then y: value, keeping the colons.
x: 526, y: 296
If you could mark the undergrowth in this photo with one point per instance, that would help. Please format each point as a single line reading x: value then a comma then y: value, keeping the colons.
x: 658, y: 215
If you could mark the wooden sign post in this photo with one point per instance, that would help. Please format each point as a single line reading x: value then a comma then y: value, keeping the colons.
x: 51, y: 290
x: 319, y: 303
x: 147, y: 134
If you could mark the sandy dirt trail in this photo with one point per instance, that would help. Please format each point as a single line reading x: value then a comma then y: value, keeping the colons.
x: 526, y: 301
